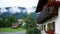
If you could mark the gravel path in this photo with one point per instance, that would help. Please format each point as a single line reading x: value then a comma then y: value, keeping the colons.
x: 21, y: 32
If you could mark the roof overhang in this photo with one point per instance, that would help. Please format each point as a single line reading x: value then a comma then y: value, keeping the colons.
x: 40, y: 5
x: 54, y: 3
x: 58, y: 2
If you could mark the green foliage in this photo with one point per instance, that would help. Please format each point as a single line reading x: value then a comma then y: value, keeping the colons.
x: 11, y: 19
x: 31, y: 25
x: 1, y: 22
x: 7, y: 22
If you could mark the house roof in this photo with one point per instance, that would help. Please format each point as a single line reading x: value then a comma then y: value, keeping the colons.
x: 40, y: 5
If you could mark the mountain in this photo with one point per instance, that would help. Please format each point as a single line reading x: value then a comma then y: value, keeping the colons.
x: 5, y: 14
x: 18, y: 15
x: 34, y: 15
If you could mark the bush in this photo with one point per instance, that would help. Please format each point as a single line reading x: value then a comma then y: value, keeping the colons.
x: 7, y: 22
x: 31, y: 25
x: 1, y: 22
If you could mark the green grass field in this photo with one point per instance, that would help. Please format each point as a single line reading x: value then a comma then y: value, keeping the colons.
x: 11, y: 30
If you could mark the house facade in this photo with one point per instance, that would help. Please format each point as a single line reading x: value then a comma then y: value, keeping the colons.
x: 20, y: 21
x: 49, y: 16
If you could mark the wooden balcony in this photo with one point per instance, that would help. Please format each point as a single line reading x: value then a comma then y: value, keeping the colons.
x: 47, y: 13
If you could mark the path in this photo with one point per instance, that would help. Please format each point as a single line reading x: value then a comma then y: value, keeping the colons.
x: 21, y: 32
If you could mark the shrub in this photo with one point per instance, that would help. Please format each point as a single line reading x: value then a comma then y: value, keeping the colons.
x: 31, y: 25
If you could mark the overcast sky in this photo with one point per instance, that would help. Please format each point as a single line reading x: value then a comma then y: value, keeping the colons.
x: 21, y: 3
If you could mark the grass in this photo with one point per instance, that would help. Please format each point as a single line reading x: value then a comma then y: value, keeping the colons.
x: 11, y: 29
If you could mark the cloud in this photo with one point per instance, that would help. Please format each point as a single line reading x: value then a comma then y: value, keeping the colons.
x: 21, y: 3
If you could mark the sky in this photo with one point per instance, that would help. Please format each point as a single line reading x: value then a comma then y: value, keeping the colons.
x: 23, y: 3
x: 15, y: 3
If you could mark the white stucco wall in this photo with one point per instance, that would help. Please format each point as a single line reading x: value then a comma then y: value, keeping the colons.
x: 49, y: 21
x: 57, y: 23
x: 55, y: 19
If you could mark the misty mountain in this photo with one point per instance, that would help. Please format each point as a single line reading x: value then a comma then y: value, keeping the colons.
x: 34, y: 15
x: 17, y: 15
x: 5, y: 14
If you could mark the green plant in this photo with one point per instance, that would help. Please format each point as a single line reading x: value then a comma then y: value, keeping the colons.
x: 31, y: 25
x: 1, y: 22
x: 9, y: 21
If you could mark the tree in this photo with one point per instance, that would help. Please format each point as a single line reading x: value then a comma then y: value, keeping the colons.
x: 31, y: 25
x: 1, y: 21
x: 8, y: 21
x: 11, y: 20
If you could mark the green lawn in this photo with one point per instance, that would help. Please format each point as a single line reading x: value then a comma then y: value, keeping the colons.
x: 11, y: 30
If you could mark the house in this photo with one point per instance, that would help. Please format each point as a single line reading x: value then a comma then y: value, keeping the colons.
x: 49, y: 16
x: 20, y: 21
x: 15, y: 25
